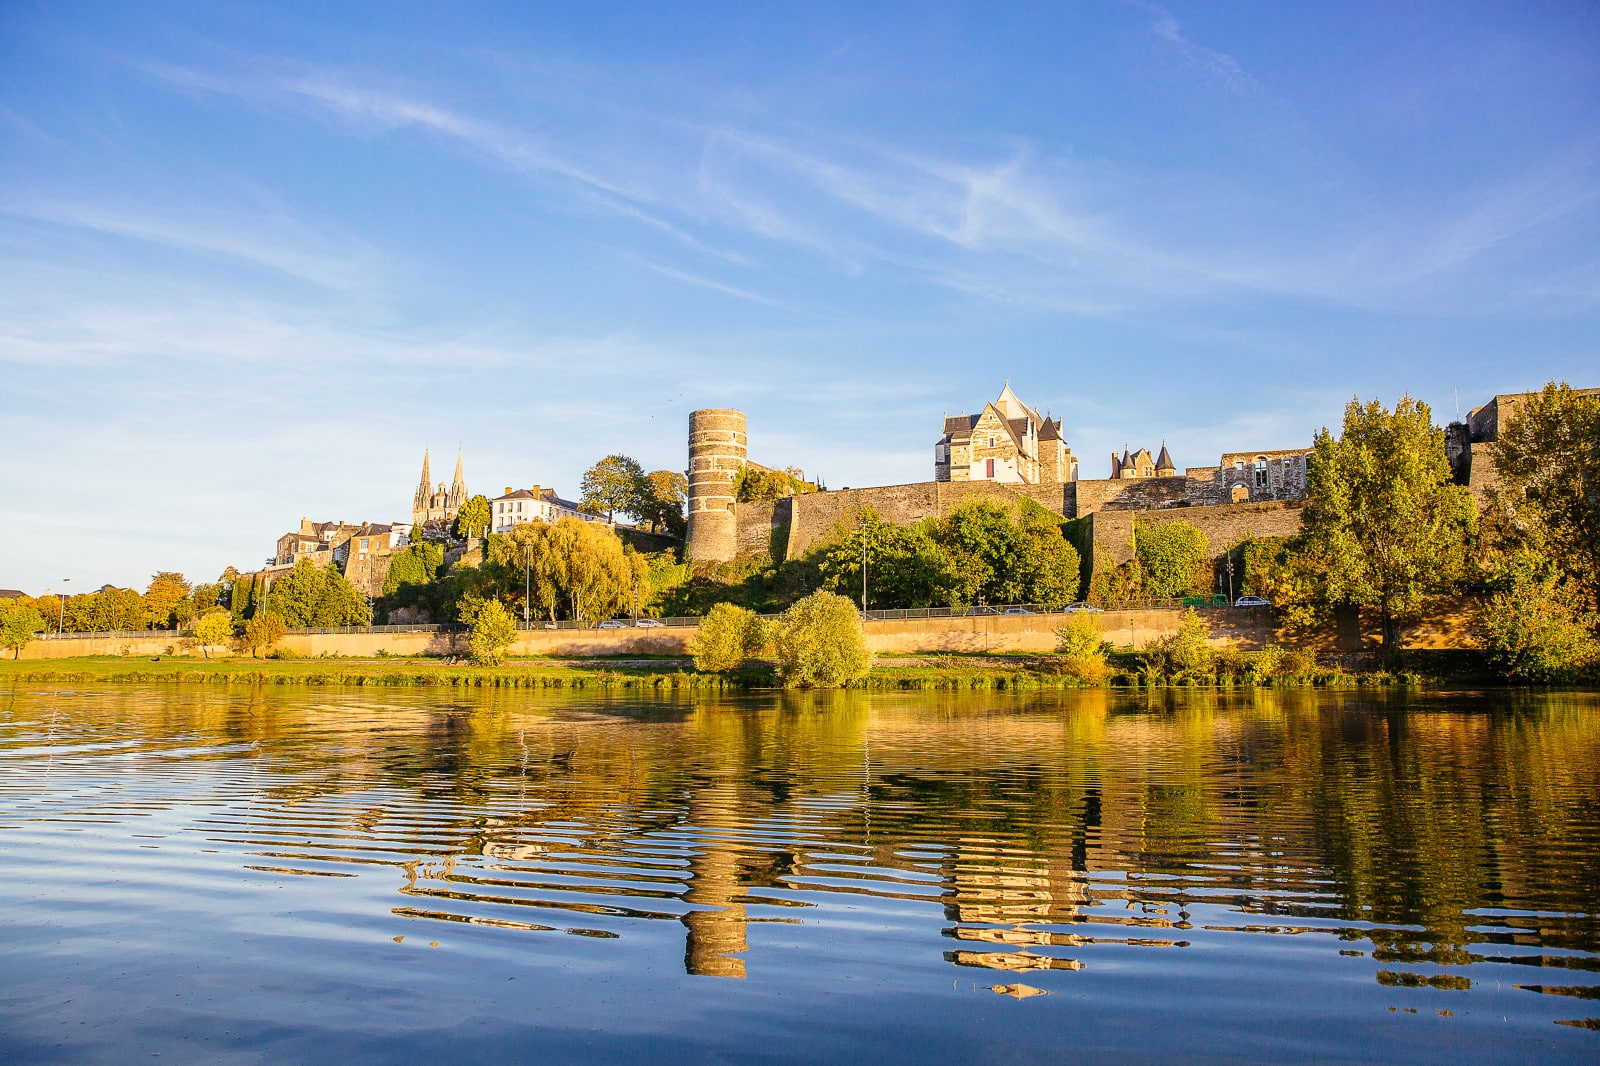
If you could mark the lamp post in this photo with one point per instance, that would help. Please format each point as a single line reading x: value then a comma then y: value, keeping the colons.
x: 527, y: 588
x: 863, y: 568
x: 61, y: 621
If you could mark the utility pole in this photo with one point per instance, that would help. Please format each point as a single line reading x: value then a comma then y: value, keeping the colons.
x: 61, y: 622
x: 526, y: 589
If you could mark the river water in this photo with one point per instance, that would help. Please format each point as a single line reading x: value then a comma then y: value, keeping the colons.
x: 282, y: 874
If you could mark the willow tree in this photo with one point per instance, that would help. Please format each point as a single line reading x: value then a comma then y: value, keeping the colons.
x: 582, y: 566
x: 1382, y: 514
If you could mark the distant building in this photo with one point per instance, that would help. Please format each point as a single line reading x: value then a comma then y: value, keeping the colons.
x: 1140, y: 464
x: 527, y: 505
x: 438, y: 506
x: 316, y: 541
x: 1007, y: 441
x: 367, y: 553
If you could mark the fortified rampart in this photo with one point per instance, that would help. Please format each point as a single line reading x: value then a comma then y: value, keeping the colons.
x: 1249, y: 493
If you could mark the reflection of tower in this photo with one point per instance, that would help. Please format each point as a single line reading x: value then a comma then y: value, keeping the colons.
x: 717, y: 926
x: 717, y: 449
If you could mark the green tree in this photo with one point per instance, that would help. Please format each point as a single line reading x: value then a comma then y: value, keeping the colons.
x: 1172, y: 558
x: 493, y: 631
x: 18, y: 624
x: 108, y: 610
x: 166, y: 601
x: 1382, y: 515
x: 1283, y: 571
x: 1084, y: 649
x: 262, y: 631
x: 473, y: 518
x: 905, y: 567
x: 666, y: 492
x: 820, y: 643
x: 1548, y: 500
x: 728, y: 635
x: 213, y: 629
x: 1537, y: 628
x: 572, y: 566
x: 310, y: 595
x: 616, y: 483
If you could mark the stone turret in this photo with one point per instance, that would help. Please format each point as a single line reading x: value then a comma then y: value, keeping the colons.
x: 717, y: 450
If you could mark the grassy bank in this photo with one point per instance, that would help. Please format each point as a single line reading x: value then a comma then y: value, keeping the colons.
x: 944, y: 673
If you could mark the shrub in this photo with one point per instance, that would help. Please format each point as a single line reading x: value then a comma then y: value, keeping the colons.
x: 1538, y: 631
x: 820, y: 643
x: 1183, y: 656
x: 1285, y: 664
x: 493, y: 631
x: 1081, y: 636
x: 728, y: 636
x: 262, y: 632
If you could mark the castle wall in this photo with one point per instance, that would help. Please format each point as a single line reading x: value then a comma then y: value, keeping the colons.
x: 1130, y: 494
x: 1223, y: 525
x: 816, y: 514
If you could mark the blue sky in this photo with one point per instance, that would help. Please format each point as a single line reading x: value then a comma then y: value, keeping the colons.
x: 255, y: 258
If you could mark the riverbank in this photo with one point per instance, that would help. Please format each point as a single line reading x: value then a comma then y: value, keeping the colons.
x: 942, y: 672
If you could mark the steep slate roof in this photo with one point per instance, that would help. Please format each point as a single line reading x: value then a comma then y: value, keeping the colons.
x: 1050, y: 429
x: 1164, y: 461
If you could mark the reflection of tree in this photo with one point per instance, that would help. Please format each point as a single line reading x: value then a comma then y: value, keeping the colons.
x: 1096, y: 812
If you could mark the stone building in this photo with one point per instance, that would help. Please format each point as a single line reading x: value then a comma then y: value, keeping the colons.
x: 535, y: 504
x: 1008, y: 441
x: 316, y: 541
x: 438, y: 506
x: 367, y: 553
x: 1466, y: 443
x: 1141, y: 464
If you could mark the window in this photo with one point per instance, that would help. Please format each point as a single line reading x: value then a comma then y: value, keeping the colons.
x: 1261, y: 473
x: 991, y: 444
x: 988, y: 467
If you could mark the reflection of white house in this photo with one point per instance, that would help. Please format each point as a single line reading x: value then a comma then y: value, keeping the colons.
x: 528, y: 505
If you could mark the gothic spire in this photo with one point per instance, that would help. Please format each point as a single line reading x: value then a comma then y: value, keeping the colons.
x: 425, y: 486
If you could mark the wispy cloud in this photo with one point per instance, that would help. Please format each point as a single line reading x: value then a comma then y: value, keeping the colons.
x: 1219, y: 66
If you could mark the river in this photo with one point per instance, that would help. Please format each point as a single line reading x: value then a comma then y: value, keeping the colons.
x: 298, y: 874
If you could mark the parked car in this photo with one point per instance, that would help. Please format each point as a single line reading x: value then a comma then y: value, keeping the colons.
x: 1251, y: 601
x: 614, y: 623
x: 648, y: 623
x: 1074, y: 608
x: 1017, y: 610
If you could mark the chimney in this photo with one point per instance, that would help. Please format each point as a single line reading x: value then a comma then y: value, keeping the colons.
x: 508, y: 490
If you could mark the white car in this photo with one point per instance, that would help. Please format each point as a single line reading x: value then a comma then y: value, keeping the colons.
x: 1251, y: 601
x: 613, y: 623
x: 1074, y: 608
x: 648, y: 623
x: 1018, y: 610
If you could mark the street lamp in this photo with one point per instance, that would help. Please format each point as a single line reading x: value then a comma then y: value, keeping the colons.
x: 863, y: 568
x: 526, y: 590
x: 61, y: 622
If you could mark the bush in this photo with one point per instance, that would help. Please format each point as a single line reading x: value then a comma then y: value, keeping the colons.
x: 493, y: 631
x: 1538, y: 631
x: 1083, y: 649
x: 1285, y: 664
x: 820, y: 643
x: 1183, y: 656
x: 728, y: 636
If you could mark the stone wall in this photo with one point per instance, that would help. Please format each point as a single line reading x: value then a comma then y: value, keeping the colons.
x: 1129, y: 494
x: 815, y: 515
x: 1451, y: 627
x: 1223, y: 525
x: 760, y: 523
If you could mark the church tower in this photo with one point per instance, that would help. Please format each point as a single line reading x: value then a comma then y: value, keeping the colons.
x: 440, y: 504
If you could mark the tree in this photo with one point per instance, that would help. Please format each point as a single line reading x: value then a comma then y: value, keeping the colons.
x: 1382, y: 515
x: 1537, y: 628
x: 166, y: 601
x: 820, y: 643
x: 1172, y: 558
x: 262, y: 632
x: 1548, y: 500
x: 213, y: 629
x: 615, y: 483
x: 580, y: 567
x: 493, y: 631
x: 311, y: 595
x: 473, y: 518
x: 105, y: 611
x: 18, y: 624
x: 666, y: 491
x: 728, y: 635
x: 1184, y: 655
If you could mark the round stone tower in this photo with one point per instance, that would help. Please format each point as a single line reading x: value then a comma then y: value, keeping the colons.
x: 717, y: 450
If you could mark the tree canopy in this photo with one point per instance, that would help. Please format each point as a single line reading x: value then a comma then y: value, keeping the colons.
x: 1383, y: 520
x: 310, y: 595
x: 473, y: 518
x: 1172, y: 558
x: 616, y: 483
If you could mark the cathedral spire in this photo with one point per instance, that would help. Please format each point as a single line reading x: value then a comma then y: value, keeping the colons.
x: 459, y: 483
x: 425, y: 486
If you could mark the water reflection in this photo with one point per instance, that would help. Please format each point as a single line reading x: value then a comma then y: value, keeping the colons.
x: 1439, y: 837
